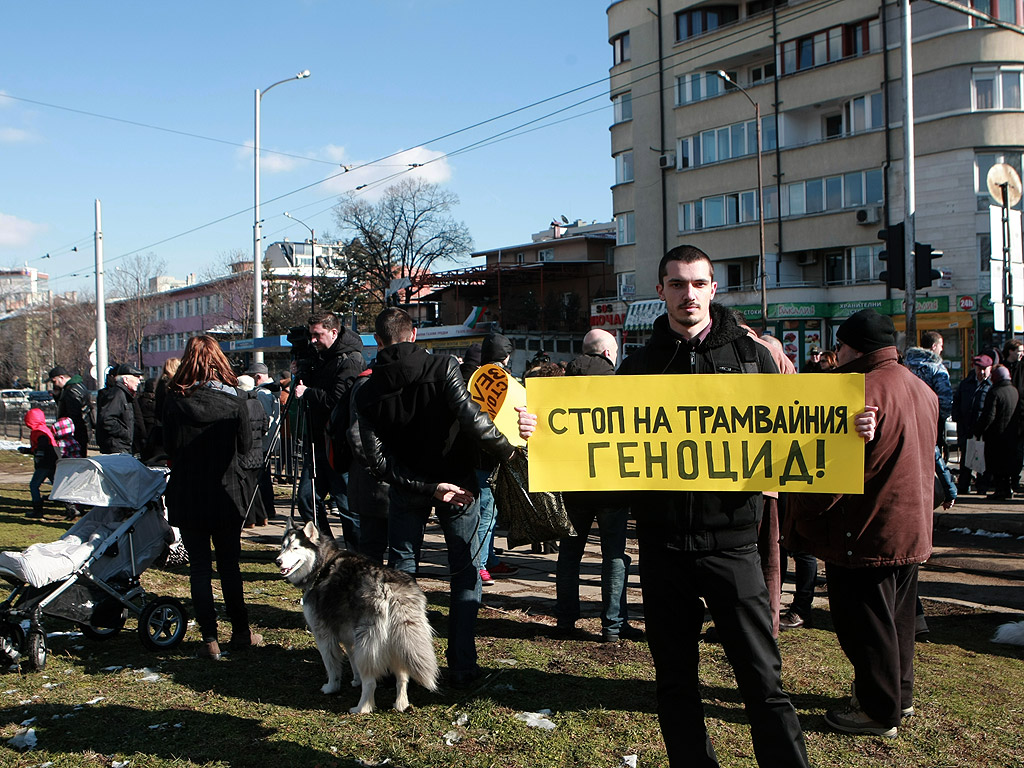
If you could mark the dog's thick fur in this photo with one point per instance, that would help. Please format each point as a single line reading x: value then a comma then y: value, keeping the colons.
x: 377, y: 614
x: 1011, y: 634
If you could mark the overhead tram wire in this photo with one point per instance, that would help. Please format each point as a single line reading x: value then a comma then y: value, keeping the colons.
x: 693, y: 50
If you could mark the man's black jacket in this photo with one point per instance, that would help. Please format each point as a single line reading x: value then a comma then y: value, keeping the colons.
x: 115, y: 419
x: 330, y: 380
x: 416, y: 418
x: 699, y: 520
x: 75, y: 403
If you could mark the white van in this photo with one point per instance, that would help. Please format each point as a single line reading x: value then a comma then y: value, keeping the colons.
x: 13, y: 400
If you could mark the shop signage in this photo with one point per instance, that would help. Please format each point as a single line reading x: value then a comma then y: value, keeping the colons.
x: 608, y: 315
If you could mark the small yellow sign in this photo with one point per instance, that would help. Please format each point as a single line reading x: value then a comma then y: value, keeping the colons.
x: 498, y: 394
x: 700, y: 432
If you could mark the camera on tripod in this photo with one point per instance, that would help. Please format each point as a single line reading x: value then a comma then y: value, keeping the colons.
x: 303, y: 351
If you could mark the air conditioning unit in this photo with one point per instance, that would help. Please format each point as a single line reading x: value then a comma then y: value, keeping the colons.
x: 807, y: 260
x: 870, y: 215
x: 667, y: 161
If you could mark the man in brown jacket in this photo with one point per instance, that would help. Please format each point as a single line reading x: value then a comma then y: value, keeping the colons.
x: 873, y: 543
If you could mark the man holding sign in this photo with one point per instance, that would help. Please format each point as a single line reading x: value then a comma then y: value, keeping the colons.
x: 703, y: 544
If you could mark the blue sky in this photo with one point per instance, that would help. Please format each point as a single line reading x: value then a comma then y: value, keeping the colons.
x: 387, y: 75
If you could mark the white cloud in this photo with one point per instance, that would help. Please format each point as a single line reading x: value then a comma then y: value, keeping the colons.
x: 15, y: 232
x: 14, y: 135
x: 433, y: 167
x: 270, y: 162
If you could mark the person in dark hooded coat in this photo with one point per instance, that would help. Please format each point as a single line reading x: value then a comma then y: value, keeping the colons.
x: 998, y: 427
x: 206, y: 431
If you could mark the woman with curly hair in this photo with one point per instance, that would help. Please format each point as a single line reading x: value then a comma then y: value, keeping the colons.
x: 206, y: 430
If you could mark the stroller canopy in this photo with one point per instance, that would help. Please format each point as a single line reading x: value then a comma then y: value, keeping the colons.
x: 115, y: 480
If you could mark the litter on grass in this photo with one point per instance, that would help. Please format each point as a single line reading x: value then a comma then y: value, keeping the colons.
x: 538, y: 719
x: 97, y: 700
x: 25, y: 738
x: 629, y: 761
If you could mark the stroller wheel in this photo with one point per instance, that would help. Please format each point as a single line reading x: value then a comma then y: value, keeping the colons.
x: 104, y: 633
x: 162, y: 624
x: 12, y: 639
x: 36, y: 649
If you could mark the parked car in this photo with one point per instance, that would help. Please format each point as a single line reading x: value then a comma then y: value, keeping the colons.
x: 14, y: 400
x: 41, y: 397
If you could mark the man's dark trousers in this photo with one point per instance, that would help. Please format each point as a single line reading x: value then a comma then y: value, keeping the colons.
x: 731, y: 582
x: 873, y: 612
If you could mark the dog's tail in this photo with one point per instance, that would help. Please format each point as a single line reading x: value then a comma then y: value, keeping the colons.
x: 412, y: 636
x: 1011, y: 634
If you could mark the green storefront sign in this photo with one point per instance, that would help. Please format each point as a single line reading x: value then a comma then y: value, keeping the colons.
x: 842, y: 309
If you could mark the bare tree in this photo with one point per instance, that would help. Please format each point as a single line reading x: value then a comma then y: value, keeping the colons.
x: 131, y: 305
x: 403, y: 234
x: 234, y: 269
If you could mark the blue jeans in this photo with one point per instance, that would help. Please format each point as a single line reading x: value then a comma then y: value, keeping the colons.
x: 615, y: 562
x: 488, y: 518
x: 948, y: 486
x: 407, y: 518
x: 328, y: 482
x: 42, y: 472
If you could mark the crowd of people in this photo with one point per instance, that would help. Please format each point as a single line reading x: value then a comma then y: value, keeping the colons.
x: 385, y: 446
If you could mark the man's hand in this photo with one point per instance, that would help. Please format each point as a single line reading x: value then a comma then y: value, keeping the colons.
x: 300, y: 388
x: 865, y: 422
x: 453, y: 494
x: 527, y: 422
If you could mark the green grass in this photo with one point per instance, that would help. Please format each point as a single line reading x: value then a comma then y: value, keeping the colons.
x: 264, y: 707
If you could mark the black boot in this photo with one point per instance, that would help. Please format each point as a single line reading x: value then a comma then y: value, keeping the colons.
x: 37, y: 509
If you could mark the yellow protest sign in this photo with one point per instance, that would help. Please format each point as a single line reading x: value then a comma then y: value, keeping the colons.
x: 498, y: 394
x: 700, y: 432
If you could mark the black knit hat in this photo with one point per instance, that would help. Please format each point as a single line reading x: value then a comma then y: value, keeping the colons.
x: 59, y: 370
x: 867, y: 331
x: 495, y: 348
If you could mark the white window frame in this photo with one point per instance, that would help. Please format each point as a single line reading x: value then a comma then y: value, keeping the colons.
x: 546, y: 254
x: 622, y: 104
x: 625, y: 228
x: 1000, y: 77
x: 624, y: 172
x: 620, y: 49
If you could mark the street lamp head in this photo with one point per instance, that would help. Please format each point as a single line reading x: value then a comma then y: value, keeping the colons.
x: 302, y: 74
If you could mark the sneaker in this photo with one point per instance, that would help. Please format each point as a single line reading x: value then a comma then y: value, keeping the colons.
x: 792, y: 620
x: 485, y: 578
x: 504, y: 569
x: 852, y: 719
x: 629, y: 632
x: 905, y: 712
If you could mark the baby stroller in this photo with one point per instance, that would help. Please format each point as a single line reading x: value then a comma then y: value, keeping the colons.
x: 91, y: 574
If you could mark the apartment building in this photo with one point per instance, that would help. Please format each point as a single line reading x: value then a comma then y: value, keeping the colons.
x: 826, y: 75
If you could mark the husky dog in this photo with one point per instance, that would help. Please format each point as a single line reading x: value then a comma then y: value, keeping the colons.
x: 1011, y: 633
x: 377, y: 614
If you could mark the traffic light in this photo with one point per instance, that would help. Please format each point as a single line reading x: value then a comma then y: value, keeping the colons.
x: 924, y: 272
x: 896, y: 274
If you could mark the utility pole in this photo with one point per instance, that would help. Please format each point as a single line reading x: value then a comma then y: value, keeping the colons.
x: 909, y: 196
x: 101, y: 309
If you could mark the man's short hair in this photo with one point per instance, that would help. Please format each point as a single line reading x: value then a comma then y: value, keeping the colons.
x: 597, y: 341
x: 929, y: 339
x: 328, y: 320
x: 393, y: 325
x: 688, y: 254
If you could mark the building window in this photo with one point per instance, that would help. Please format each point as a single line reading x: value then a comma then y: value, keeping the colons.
x: 828, y: 45
x: 996, y: 88
x: 700, y: 20
x: 546, y: 254
x: 698, y: 86
x: 733, y: 277
x: 984, y: 252
x: 1004, y: 10
x: 627, y: 284
x: 863, y: 113
x: 625, y: 229
x: 832, y: 126
x: 623, y: 106
x: 762, y: 73
x: 620, y: 49
x: 859, y: 264
x: 520, y: 258
x: 624, y: 167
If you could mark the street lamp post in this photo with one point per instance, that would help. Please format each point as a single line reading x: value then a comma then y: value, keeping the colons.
x: 312, y: 268
x: 257, y: 241
x: 760, y: 200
